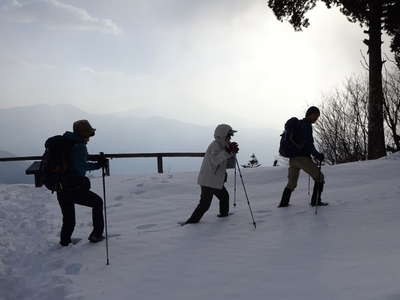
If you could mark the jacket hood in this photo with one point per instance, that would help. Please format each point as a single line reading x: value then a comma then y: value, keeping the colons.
x: 222, y: 131
x: 72, y: 136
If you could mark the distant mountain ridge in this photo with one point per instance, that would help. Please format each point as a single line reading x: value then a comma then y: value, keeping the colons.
x: 6, y: 154
x: 25, y: 129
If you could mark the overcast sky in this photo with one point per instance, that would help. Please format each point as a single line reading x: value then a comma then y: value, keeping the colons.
x: 198, y: 61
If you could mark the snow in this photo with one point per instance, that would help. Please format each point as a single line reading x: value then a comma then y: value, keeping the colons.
x: 349, y: 250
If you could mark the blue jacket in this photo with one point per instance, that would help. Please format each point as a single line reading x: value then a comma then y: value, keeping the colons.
x: 79, y: 155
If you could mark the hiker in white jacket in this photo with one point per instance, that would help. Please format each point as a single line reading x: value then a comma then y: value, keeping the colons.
x: 213, y: 175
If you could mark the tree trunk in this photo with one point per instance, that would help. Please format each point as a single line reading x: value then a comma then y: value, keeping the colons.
x: 376, y: 136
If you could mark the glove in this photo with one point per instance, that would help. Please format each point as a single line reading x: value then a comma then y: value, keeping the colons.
x: 232, y: 148
x: 102, y: 161
x: 320, y: 157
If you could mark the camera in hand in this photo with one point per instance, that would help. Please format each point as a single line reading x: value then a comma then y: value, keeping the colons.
x: 232, y: 148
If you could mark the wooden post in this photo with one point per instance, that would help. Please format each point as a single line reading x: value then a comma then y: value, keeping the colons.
x: 38, y: 182
x: 160, y: 164
x: 34, y: 169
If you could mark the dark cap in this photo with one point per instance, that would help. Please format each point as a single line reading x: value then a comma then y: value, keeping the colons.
x: 83, y: 128
x: 312, y: 110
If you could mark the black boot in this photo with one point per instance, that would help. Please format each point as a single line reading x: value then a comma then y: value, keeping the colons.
x: 224, y: 215
x: 93, y: 238
x: 65, y: 243
x: 285, y: 198
x: 316, y: 196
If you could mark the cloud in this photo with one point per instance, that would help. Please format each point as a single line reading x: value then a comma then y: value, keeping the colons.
x: 196, y: 61
x: 56, y: 15
x: 10, y: 4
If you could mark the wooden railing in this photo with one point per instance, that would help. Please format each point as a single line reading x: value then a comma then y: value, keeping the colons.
x: 95, y: 157
x: 159, y: 157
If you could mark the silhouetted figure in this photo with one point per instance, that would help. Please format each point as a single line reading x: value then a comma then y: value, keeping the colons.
x: 300, y: 146
x: 76, y: 186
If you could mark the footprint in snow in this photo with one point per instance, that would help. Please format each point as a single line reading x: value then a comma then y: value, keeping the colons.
x: 41, y: 223
x: 146, y: 226
x: 54, y: 265
x: 140, y: 185
x: 73, y: 269
x: 263, y: 211
x: 119, y: 198
x: 139, y: 192
x: 302, y: 212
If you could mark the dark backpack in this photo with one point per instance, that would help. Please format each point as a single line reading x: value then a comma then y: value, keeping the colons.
x: 291, y: 139
x: 56, y: 162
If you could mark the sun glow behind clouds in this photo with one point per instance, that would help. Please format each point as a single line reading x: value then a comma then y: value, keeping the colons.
x: 203, y: 67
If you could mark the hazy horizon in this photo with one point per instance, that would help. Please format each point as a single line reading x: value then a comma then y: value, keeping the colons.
x: 201, y: 62
x: 124, y: 133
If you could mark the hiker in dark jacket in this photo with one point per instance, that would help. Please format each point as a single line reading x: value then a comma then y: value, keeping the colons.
x: 76, y: 186
x: 301, y: 160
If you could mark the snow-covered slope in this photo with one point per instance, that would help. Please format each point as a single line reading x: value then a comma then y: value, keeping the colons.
x: 350, y: 250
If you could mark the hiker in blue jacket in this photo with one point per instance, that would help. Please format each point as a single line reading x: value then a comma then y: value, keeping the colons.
x: 76, y: 186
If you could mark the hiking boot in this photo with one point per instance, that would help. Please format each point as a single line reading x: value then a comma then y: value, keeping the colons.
x: 191, y: 222
x: 285, y: 198
x: 65, y: 243
x: 316, y: 196
x: 95, y: 238
x: 224, y: 215
x: 320, y: 203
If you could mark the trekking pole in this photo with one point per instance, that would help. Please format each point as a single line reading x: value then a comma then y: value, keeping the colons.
x: 319, y: 188
x: 309, y: 179
x: 234, y: 189
x: 245, y: 192
x: 103, y: 171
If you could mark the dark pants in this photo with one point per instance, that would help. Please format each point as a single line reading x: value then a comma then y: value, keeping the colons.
x: 67, y: 201
x: 207, y: 194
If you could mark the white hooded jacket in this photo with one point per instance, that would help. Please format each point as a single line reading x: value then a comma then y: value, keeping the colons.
x: 213, y: 169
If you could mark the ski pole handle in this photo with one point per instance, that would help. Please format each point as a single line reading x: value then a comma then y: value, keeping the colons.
x: 106, y: 165
x: 107, y: 168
